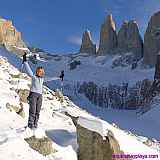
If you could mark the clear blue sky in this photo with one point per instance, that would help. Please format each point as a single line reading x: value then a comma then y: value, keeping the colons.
x: 57, y: 25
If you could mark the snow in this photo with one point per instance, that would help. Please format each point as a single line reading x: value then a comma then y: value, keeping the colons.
x: 126, y: 120
x: 153, y: 115
x: 93, y: 125
x: 12, y: 144
x: 99, y: 70
x: 96, y: 69
x: 57, y: 125
x: 39, y: 133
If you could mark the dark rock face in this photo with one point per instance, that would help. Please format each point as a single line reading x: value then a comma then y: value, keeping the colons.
x: 74, y: 119
x: 108, y: 37
x: 125, y: 60
x: 87, y: 45
x: 157, y: 69
x: 93, y: 147
x: 74, y: 64
x: 129, y: 39
x: 118, y: 96
x: 152, y: 40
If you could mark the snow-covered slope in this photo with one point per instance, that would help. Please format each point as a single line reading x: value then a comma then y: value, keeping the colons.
x: 99, y: 70
x: 57, y: 125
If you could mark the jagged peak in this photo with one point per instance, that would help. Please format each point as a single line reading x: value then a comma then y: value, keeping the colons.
x: 156, y: 14
x: 109, y: 17
x: 87, y: 45
x: 110, y: 21
x: 130, y: 23
x: 87, y: 31
x: 133, y: 22
x: 88, y: 34
x: 125, y: 22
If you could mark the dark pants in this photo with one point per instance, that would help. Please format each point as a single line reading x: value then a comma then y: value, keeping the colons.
x: 35, y: 103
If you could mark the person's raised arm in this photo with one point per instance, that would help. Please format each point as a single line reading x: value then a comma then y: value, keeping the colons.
x: 46, y: 79
x: 28, y: 69
x: 54, y: 78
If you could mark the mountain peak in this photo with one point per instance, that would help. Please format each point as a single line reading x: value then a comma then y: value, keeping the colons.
x: 9, y: 36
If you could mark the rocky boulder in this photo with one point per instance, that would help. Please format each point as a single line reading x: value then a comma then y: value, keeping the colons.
x: 43, y: 145
x: 108, y: 37
x: 18, y: 109
x: 87, y: 45
x: 92, y: 146
x: 73, y: 65
x: 152, y: 40
x: 23, y: 94
x: 129, y: 39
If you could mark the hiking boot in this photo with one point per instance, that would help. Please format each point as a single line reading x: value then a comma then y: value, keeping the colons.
x: 39, y: 133
x: 28, y: 132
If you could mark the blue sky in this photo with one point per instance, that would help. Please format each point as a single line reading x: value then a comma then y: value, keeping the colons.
x: 57, y: 25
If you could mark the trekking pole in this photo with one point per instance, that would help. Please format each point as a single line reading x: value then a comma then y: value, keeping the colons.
x: 17, y: 88
x: 62, y: 78
x: 21, y: 69
x: 62, y: 86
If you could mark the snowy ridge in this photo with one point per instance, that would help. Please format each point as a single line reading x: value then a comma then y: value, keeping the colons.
x: 98, y: 69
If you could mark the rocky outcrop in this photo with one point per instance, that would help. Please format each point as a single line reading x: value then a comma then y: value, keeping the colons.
x: 108, y: 37
x: 18, y: 109
x: 23, y: 94
x: 59, y: 95
x: 43, y: 145
x: 152, y: 40
x: 74, y: 119
x: 73, y: 65
x: 129, y: 39
x: 92, y: 146
x: 9, y: 36
x: 157, y: 68
x: 87, y: 45
x: 125, y: 60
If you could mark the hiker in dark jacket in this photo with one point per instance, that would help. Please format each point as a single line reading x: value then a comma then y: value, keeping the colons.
x: 35, y: 96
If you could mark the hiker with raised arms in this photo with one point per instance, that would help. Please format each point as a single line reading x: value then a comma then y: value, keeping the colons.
x: 35, y: 95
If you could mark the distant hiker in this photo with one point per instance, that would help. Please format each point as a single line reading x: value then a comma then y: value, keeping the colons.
x: 35, y: 95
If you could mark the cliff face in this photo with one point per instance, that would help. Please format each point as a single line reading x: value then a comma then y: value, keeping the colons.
x: 129, y: 39
x: 152, y: 40
x: 117, y: 96
x: 108, y: 37
x: 87, y: 45
x: 9, y: 36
